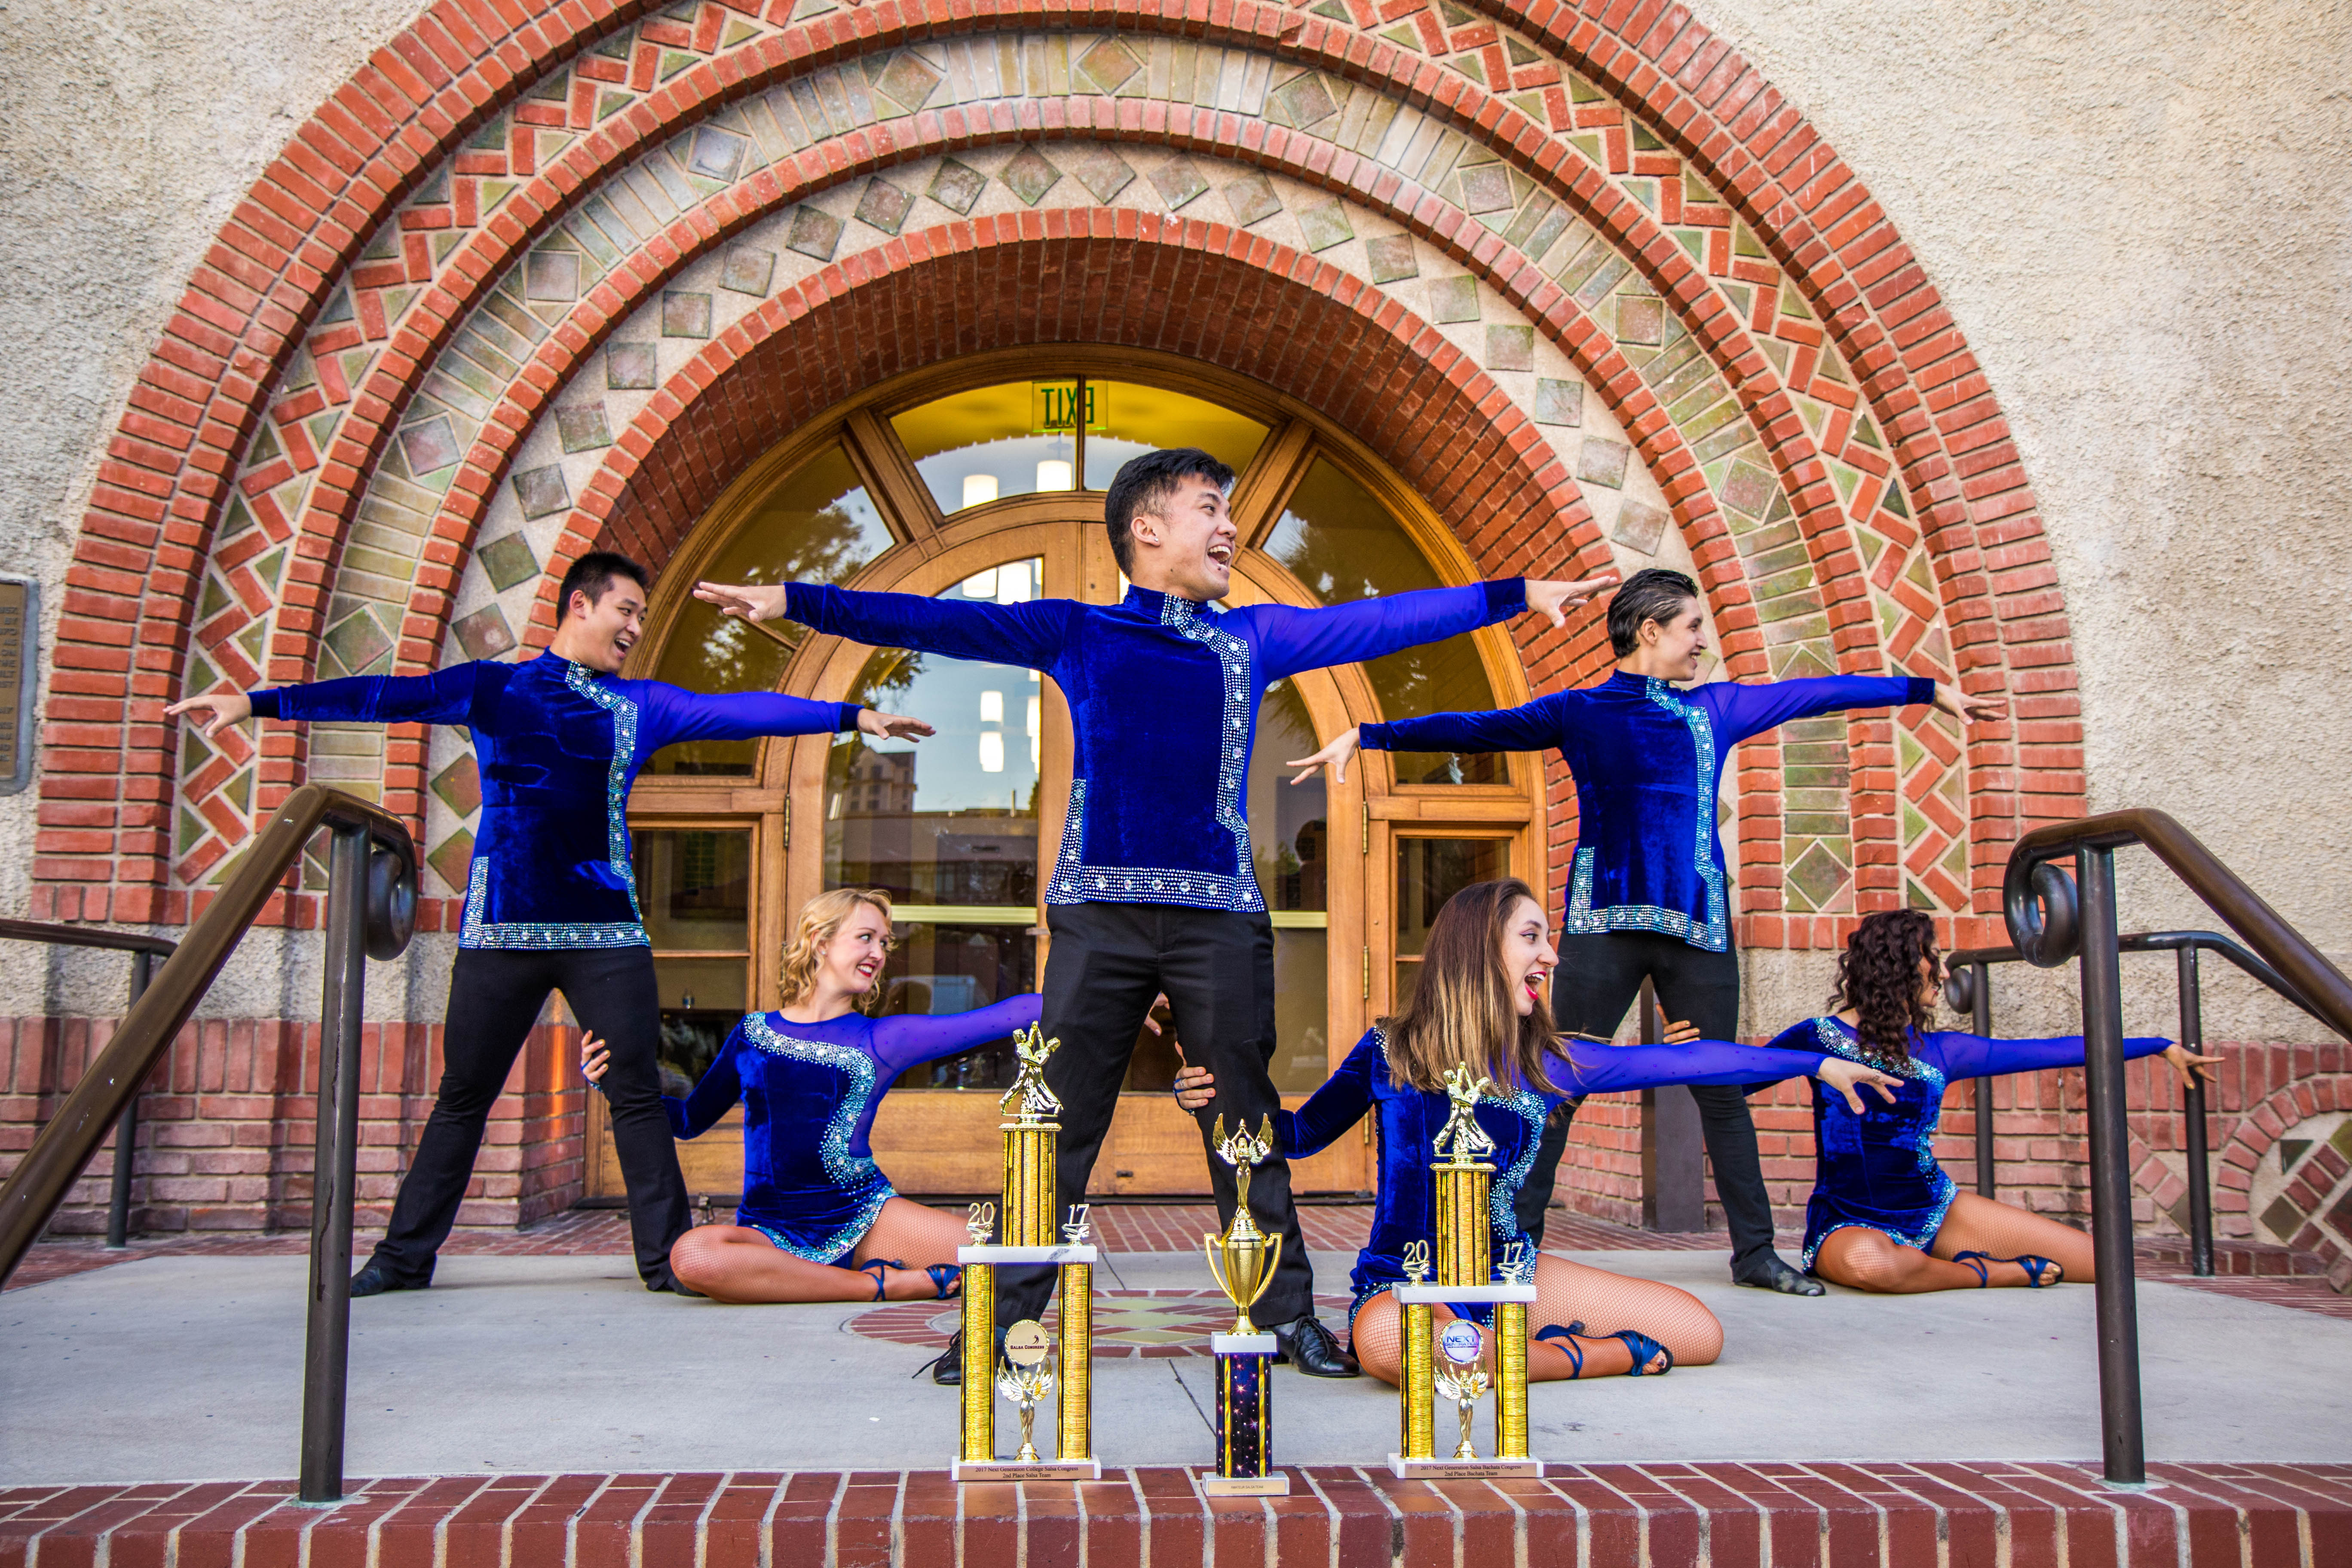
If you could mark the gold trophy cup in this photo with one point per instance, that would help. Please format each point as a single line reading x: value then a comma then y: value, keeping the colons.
x: 1242, y: 1259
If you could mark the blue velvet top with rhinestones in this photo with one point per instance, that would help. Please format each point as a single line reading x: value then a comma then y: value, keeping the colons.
x: 1163, y: 695
x: 1648, y: 759
x: 1879, y: 1169
x: 809, y: 1093
x: 558, y: 746
x: 1407, y: 1119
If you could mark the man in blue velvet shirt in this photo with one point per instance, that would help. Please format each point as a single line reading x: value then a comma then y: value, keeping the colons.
x: 1647, y: 894
x: 551, y: 895
x: 1154, y: 889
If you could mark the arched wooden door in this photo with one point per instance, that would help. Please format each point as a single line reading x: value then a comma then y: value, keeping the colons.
x: 981, y: 481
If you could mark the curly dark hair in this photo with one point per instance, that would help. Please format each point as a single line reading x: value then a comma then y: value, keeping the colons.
x: 1878, y: 977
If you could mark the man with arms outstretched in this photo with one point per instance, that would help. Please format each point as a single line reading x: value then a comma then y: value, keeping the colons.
x: 551, y: 897
x: 1154, y: 889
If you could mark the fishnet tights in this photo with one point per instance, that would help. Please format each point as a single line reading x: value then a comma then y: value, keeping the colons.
x: 1863, y: 1259
x: 1565, y: 1293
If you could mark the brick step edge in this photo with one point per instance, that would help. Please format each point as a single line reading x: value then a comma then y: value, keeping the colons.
x: 1726, y: 1515
x: 2261, y: 1259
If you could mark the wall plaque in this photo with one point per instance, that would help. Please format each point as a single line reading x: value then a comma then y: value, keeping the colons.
x: 20, y: 631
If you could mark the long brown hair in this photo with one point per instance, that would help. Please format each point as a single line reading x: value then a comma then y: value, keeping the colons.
x: 1878, y: 977
x: 821, y: 918
x: 1461, y: 1012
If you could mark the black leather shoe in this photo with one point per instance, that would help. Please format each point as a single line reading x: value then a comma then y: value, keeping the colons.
x: 1773, y: 1274
x: 948, y: 1370
x: 672, y: 1285
x: 1307, y: 1345
x: 371, y: 1280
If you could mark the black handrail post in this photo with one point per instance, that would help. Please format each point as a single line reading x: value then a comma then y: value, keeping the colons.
x: 334, y: 1165
x: 1980, y: 1019
x: 126, y: 1126
x: 2192, y: 1113
x: 2111, y: 1216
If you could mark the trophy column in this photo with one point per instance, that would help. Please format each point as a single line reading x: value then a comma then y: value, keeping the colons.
x: 1453, y: 1362
x: 1030, y: 1367
x: 1243, y: 1262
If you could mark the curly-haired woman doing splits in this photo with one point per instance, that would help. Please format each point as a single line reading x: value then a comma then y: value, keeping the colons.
x: 818, y: 1221
x: 1480, y: 1004
x: 1885, y: 1217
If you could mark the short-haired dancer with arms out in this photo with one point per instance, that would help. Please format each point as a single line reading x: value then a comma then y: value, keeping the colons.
x: 1154, y: 889
x: 551, y: 897
x: 1647, y: 894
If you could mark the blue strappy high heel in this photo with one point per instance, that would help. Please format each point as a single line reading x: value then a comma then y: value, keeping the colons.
x: 1640, y: 1346
x: 876, y: 1268
x: 944, y: 1275
x: 2034, y: 1268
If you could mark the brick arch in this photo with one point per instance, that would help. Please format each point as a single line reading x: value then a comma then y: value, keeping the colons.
x: 125, y: 491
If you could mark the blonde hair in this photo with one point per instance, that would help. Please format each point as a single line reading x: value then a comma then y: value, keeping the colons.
x: 1461, y: 1012
x: 821, y: 918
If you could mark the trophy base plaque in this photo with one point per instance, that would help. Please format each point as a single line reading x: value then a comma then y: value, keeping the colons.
x: 1276, y: 1485
x: 1462, y: 1470
x: 1029, y: 1471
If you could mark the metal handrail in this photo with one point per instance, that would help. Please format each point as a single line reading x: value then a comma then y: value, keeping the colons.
x: 143, y: 950
x: 371, y: 913
x: 2051, y: 921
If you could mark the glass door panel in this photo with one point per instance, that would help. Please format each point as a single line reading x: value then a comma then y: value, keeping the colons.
x: 1290, y: 833
x: 1127, y: 419
x: 1015, y: 439
x: 694, y: 888
x: 1339, y: 540
x: 948, y: 827
x: 1428, y: 872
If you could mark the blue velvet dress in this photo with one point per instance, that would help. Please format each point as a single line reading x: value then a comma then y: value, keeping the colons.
x: 809, y: 1093
x: 1407, y: 1120
x: 1878, y: 1170
x: 1163, y: 695
x: 1648, y: 759
x: 559, y: 746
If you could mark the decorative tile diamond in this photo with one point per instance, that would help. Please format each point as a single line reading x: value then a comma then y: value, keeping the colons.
x: 908, y: 81
x: 509, y: 561
x: 1030, y: 175
x: 749, y: 270
x: 429, y: 447
x: 1602, y: 462
x: 1101, y: 170
x: 1391, y: 257
x: 1178, y: 182
x: 450, y: 859
x: 1325, y: 227
x: 484, y: 633
x: 541, y: 491
x: 551, y: 275
x: 581, y: 427
x: 1559, y: 402
x: 1818, y: 876
x: 717, y: 154
x: 883, y: 206
x: 357, y: 642
x: 1109, y: 65
x: 1510, y: 348
x: 685, y: 314
x: 630, y: 367
x: 815, y: 233
x: 1251, y: 199
x: 459, y: 784
x: 957, y: 186
x: 1639, y: 526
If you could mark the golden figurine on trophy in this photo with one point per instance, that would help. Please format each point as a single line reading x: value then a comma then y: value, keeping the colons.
x: 1243, y: 1262
x: 1466, y: 1275
x: 1026, y: 1220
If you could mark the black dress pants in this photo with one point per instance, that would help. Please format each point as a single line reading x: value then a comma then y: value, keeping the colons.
x: 494, y: 997
x: 1108, y: 964
x: 1599, y: 977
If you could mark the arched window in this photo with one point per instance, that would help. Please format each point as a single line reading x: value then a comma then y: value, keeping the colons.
x: 982, y: 479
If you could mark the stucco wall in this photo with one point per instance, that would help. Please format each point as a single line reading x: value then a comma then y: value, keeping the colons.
x: 2139, y: 222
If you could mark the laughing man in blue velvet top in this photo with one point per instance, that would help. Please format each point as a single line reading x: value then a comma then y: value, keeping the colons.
x: 1648, y: 894
x: 1154, y: 889
x: 551, y: 896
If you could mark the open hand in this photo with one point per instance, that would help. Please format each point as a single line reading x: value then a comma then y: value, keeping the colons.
x: 1844, y: 1076
x: 1556, y: 599
x: 1967, y: 710
x: 749, y: 601
x: 890, y: 726
x: 2190, y: 1066
x: 220, y: 708
x: 1681, y: 1033
x: 1152, y: 1021
x: 594, y: 1057
x: 1343, y: 746
x: 1195, y: 1088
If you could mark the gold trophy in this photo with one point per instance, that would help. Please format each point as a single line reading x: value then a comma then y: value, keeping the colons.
x: 1243, y: 1262
x: 1465, y: 1274
x: 1024, y: 1220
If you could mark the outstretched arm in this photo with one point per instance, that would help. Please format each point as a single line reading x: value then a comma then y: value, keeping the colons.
x: 906, y: 1040
x: 673, y: 714
x: 1742, y: 710
x: 442, y: 697
x: 1603, y: 1068
x: 1338, y: 1105
x: 1030, y: 635
x: 1964, y: 1055
x: 1290, y: 639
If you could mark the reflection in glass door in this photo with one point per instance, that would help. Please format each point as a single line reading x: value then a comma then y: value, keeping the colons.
x: 1428, y: 872
x: 694, y: 888
x: 948, y: 827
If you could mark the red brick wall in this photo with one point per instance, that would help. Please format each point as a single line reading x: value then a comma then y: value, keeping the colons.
x: 226, y: 1121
